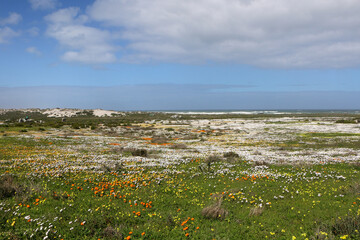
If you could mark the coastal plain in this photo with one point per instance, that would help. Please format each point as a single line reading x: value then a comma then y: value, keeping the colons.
x: 99, y: 174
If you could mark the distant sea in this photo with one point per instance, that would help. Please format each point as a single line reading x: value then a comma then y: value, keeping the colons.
x: 249, y: 112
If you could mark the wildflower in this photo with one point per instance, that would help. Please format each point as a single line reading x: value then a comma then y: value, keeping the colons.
x: 344, y: 236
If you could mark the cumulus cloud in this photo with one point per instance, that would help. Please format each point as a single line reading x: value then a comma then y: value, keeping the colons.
x: 33, y: 50
x: 6, y: 34
x: 43, y: 4
x: 13, y: 18
x: 278, y: 33
x: 34, y: 31
x: 83, y: 44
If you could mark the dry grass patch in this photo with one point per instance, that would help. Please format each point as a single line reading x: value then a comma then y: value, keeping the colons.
x: 160, y: 140
x: 261, y: 163
x: 355, y: 188
x: 215, y: 211
x: 256, y: 211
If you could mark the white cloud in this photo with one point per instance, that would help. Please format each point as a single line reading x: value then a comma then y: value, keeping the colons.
x: 6, y: 34
x: 33, y: 50
x: 83, y: 43
x: 43, y: 4
x: 277, y: 33
x: 13, y: 18
x: 34, y: 31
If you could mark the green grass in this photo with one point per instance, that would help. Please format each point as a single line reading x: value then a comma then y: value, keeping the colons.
x: 316, y: 141
x: 329, y: 135
x: 166, y: 202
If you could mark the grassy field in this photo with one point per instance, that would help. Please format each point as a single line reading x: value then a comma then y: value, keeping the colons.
x: 176, y: 181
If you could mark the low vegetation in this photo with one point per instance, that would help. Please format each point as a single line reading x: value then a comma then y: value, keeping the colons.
x: 135, y: 179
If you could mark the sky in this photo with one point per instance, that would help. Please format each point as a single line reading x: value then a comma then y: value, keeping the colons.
x: 180, y: 54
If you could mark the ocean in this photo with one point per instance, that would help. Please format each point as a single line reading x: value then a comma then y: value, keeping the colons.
x: 252, y: 112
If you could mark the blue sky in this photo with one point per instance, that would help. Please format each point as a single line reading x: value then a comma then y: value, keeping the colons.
x: 170, y: 54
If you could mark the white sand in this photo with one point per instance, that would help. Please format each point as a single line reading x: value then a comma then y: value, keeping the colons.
x: 103, y: 113
x: 63, y: 112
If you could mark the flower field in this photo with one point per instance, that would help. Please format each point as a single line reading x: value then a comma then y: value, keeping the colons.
x: 283, y: 178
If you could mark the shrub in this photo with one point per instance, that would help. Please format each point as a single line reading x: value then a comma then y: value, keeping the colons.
x: 139, y: 152
x: 215, y: 211
x: 191, y: 137
x: 356, y: 165
x: 178, y: 146
x: 170, y: 221
x: 118, y: 167
x: 212, y: 159
x: 346, y: 121
x: 106, y: 168
x: 110, y: 232
x: 348, y: 225
x: 59, y: 195
x: 7, y: 187
x: 159, y: 140
x: 231, y: 155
